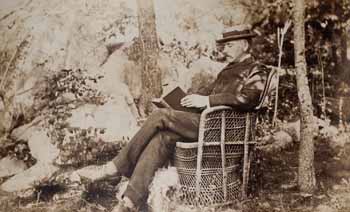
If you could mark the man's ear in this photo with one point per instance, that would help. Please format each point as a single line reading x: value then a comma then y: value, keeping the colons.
x: 245, y: 45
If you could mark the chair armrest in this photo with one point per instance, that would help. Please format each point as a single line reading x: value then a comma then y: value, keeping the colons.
x: 213, y: 109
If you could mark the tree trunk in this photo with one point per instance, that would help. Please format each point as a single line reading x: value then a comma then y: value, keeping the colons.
x: 151, y: 75
x: 344, y: 46
x: 306, y: 172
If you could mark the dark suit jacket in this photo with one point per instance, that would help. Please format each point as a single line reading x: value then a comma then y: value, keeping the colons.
x: 239, y: 85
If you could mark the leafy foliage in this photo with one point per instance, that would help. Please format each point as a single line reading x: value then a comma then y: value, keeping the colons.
x: 63, y: 92
x: 326, y: 26
x: 18, y: 149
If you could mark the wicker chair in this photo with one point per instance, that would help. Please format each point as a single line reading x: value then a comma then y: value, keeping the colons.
x: 215, y: 170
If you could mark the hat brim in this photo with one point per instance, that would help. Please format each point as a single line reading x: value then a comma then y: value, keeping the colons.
x: 235, y: 37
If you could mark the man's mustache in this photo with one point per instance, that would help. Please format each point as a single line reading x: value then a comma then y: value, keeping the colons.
x: 221, y: 57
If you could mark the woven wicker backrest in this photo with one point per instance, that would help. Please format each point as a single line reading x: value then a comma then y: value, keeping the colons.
x: 269, y: 88
x: 235, y: 124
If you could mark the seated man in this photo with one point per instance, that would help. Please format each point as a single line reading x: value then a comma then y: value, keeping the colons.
x: 238, y: 85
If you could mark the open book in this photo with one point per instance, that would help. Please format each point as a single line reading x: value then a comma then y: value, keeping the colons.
x: 172, y: 100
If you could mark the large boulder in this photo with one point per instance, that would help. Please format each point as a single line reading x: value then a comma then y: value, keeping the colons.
x: 117, y: 126
x: 40, y: 144
x: 59, y: 35
x: 41, y: 147
x: 194, y: 78
x: 193, y: 23
x: 162, y: 195
x: 36, y: 174
x: 6, y: 112
x: 11, y: 166
x: 119, y: 114
x: 324, y: 208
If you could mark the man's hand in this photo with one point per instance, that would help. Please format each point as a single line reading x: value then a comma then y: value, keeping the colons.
x: 195, y: 100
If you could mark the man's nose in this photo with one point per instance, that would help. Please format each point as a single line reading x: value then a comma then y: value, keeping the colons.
x: 220, y: 48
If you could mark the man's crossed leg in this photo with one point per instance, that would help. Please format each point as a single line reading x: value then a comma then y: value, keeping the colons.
x: 151, y: 148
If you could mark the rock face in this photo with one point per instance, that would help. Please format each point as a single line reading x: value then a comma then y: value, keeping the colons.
x: 11, y: 166
x: 324, y: 208
x: 27, y: 179
x: 60, y: 35
x: 105, y: 117
x: 41, y: 147
x: 162, y: 196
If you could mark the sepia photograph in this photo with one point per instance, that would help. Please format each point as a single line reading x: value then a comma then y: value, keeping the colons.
x: 174, y: 106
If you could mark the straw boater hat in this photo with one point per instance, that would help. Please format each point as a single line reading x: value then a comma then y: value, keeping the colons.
x: 236, y: 33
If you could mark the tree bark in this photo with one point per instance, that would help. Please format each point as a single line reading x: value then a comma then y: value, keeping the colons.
x: 151, y: 75
x: 306, y: 171
x: 344, y: 46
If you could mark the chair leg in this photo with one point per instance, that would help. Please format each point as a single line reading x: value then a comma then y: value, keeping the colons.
x: 245, y: 173
x: 246, y: 158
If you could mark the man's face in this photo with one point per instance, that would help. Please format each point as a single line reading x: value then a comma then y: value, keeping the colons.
x: 233, y: 49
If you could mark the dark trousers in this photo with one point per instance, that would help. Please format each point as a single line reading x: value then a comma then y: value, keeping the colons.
x: 152, y: 147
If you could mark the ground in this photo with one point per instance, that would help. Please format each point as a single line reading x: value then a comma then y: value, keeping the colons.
x: 275, y: 191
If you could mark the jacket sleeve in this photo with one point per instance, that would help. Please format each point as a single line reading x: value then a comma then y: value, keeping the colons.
x: 206, y: 90
x: 247, y: 98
